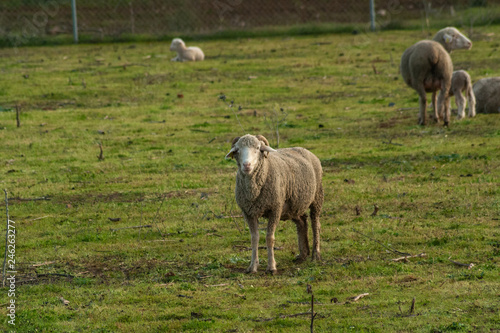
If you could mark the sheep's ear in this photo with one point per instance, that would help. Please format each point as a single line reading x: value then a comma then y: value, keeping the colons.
x: 447, y: 38
x: 266, y: 149
x: 231, y: 153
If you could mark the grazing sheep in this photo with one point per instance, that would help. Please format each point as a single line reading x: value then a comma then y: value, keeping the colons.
x: 184, y: 53
x: 426, y: 67
x: 461, y: 81
x: 487, y: 93
x: 278, y: 185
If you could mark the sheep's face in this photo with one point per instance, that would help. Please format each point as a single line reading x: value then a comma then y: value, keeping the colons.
x: 247, y: 151
x: 454, y: 40
x: 176, y: 43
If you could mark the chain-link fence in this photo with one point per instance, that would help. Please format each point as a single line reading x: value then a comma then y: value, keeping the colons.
x: 22, y: 21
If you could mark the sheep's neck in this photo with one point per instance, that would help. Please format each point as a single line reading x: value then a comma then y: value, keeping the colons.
x: 253, y: 183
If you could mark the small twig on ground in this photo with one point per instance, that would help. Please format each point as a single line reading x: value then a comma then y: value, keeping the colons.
x: 39, y: 218
x: 43, y: 264
x: 135, y: 227
x: 357, y: 298
x: 313, y: 315
x: 412, y: 307
x: 405, y: 258
x: 387, y: 247
x: 54, y: 274
x: 214, y: 234
x: 100, y: 157
x: 283, y: 316
x: 18, y: 114
x: 216, y: 285
x: 392, y: 143
x: 30, y: 199
x: 375, y: 210
x: 469, y: 266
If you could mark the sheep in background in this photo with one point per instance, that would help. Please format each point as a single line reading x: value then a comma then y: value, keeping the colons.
x: 426, y: 67
x: 461, y: 81
x: 184, y: 53
x: 487, y: 93
x: 278, y: 185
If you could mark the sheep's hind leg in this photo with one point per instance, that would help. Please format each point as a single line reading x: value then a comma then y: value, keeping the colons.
x: 423, y: 107
x: 253, y: 225
x: 301, y: 224
x: 460, y: 101
x: 316, y: 225
x: 437, y: 112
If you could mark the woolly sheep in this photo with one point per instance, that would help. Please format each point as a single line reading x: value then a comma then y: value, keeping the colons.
x: 184, y: 53
x: 487, y: 93
x: 426, y: 67
x: 278, y: 185
x: 461, y: 81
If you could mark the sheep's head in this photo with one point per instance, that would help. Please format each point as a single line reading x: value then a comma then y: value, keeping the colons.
x: 248, y: 150
x: 452, y: 39
x: 176, y: 43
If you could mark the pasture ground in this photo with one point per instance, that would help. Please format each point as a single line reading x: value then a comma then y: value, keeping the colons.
x: 164, y: 132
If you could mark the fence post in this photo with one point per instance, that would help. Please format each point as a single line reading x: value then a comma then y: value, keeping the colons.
x: 75, y: 24
x: 372, y: 15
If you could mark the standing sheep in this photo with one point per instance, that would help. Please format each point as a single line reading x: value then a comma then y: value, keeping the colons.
x: 184, y: 53
x: 278, y: 185
x: 426, y: 67
x: 461, y: 81
x: 487, y: 93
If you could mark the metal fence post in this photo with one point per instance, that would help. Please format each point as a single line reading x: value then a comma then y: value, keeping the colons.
x: 372, y: 15
x: 75, y: 24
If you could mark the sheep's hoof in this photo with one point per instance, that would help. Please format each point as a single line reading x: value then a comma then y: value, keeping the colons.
x: 316, y: 256
x: 251, y: 270
x: 298, y: 259
x: 271, y: 271
x: 446, y: 124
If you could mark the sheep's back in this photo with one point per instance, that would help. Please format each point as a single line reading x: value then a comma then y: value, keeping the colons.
x: 421, y: 61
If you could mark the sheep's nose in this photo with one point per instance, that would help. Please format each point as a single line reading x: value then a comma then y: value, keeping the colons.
x: 246, y: 165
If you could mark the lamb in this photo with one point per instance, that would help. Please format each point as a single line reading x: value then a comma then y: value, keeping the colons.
x: 278, y: 185
x: 184, y: 53
x: 487, y: 93
x: 461, y: 81
x: 426, y: 67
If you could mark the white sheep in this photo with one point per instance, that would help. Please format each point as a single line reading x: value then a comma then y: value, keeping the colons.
x: 184, y: 53
x: 461, y: 81
x: 487, y: 93
x: 426, y: 67
x: 279, y: 185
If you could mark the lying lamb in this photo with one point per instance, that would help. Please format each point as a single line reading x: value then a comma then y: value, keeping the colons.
x: 461, y: 81
x: 487, y: 93
x: 184, y: 53
x: 279, y: 185
x: 426, y: 67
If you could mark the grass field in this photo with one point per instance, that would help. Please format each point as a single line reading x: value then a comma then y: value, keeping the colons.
x: 164, y: 132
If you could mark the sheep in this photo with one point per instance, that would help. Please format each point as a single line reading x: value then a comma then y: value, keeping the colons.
x: 426, y: 67
x: 278, y: 185
x: 461, y: 81
x: 184, y: 53
x: 487, y: 93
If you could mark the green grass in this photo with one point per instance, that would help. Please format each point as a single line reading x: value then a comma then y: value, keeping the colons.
x: 165, y: 132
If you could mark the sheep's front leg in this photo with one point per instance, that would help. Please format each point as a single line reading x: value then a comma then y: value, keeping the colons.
x: 253, y: 225
x: 271, y: 228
